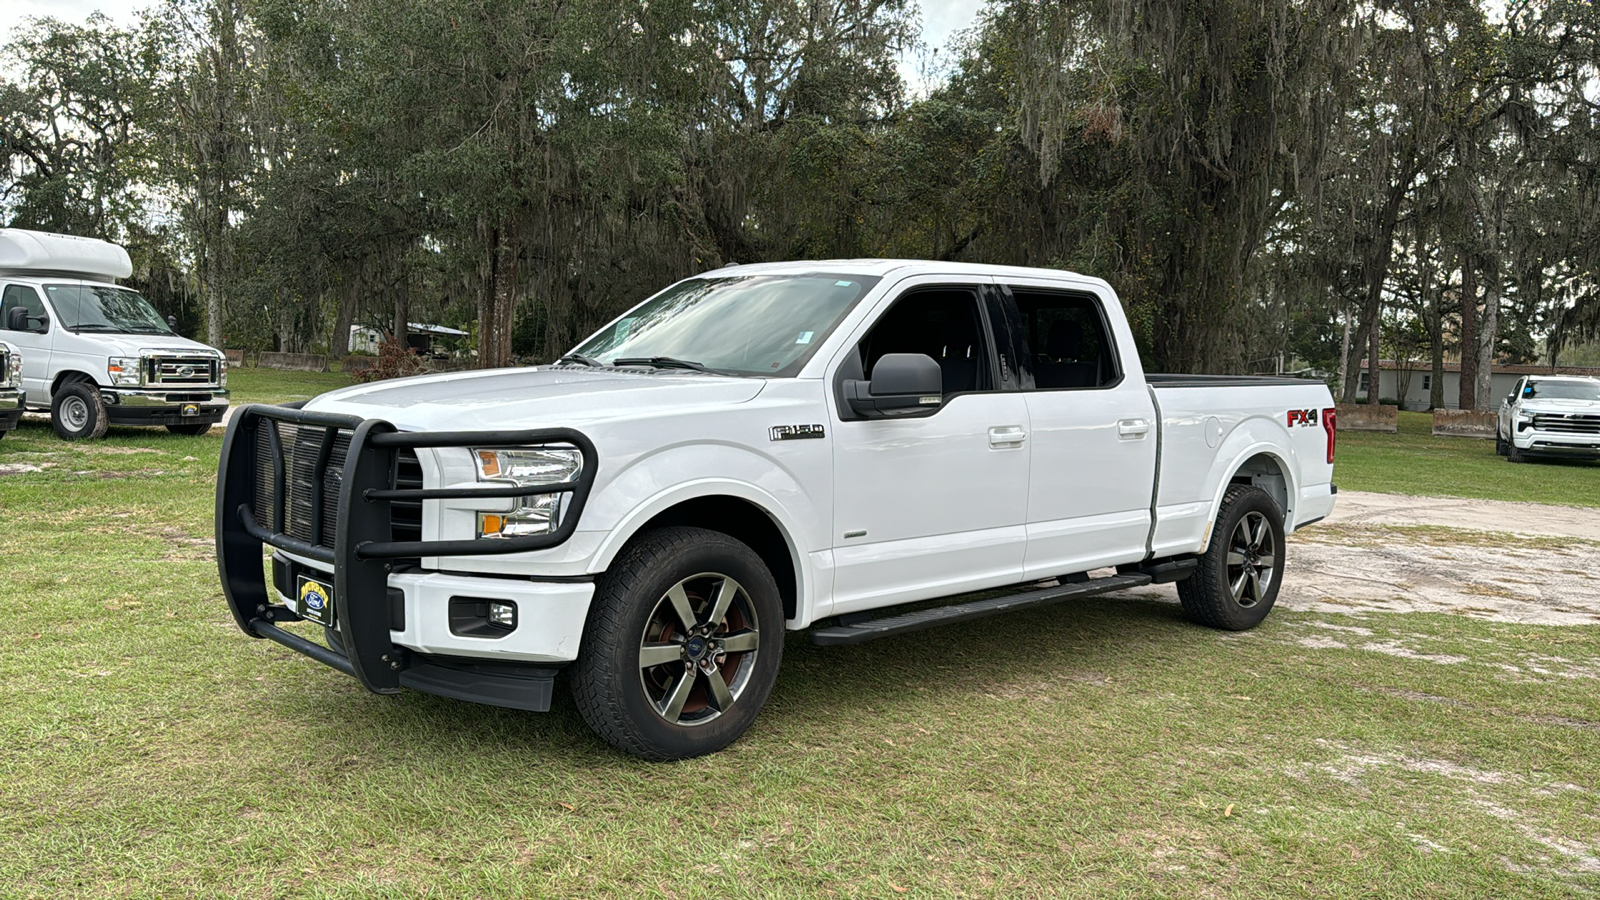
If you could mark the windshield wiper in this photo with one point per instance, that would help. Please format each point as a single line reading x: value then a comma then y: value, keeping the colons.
x: 96, y: 326
x: 580, y: 358
x: 663, y: 362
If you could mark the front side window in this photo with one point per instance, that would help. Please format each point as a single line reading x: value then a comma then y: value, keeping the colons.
x: 102, y: 308
x: 734, y: 324
x: 20, y: 295
x: 943, y: 323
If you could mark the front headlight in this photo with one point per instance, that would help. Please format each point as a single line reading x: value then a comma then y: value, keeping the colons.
x: 222, y: 372
x: 123, y: 370
x: 14, y: 368
x: 540, y: 513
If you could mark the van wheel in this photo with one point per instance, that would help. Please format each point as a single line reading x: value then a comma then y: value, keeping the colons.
x: 682, y: 645
x: 77, y: 412
x: 1238, y: 577
x: 192, y: 430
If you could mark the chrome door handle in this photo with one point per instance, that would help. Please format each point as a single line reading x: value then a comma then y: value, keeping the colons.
x: 1133, y: 428
x: 1005, y: 437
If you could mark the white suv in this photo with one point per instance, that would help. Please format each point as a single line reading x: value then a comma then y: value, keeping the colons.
x: 95, y: 354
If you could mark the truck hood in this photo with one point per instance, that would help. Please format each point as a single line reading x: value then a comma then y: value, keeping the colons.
x: 543, y: 397
x: 1559, y: 406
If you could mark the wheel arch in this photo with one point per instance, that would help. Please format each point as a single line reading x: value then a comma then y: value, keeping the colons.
x: 68, y: 376
x: 1266, y: 466
x: 738, y: 510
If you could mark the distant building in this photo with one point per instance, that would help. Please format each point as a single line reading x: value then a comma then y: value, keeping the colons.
x: 1416, y: 378
x: 420, y: 337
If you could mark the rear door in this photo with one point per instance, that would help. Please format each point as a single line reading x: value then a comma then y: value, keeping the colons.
x: 35, y: 347
x: 932, y: 506
x: 1094, y: 429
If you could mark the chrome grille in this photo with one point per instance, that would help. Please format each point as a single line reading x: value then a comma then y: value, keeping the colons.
x: 1576, y: 423
x: 5, y: 368
x: 177, y: 371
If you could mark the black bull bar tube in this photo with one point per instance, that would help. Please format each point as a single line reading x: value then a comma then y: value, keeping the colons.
x: 363, y: 551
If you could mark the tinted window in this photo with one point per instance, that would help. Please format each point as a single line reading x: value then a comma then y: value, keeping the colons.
x: 943, y: 323
x: 1069, y: 345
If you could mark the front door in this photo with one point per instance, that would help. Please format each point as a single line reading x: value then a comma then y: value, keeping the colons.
x: 933, y: 506
x: 35, y: 347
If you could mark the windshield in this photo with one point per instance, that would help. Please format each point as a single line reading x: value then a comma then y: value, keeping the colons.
x: 737, y: 324
x: 1561, y: 390
x: 96, y: 307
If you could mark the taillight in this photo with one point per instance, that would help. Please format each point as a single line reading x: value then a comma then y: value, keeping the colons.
x: 1331, y: 426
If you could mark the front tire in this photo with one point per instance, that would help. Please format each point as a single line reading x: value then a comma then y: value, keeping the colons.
x: 1237, y: 581
x: 1515, y: 455
x: 77, y: 412
x: 682, y: 645
x: 1501, y: 445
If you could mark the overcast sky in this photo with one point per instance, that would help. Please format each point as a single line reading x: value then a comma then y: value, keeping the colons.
x: 940, y: 19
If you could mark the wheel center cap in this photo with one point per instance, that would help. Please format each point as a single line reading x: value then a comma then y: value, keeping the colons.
x: 697, y: 648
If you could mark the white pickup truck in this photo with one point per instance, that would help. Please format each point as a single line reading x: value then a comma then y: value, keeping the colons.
x: 1550, y: 415
x: 758, y: 449
x: 95, y: 354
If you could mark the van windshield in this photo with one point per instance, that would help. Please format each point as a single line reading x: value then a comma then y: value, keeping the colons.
x: 732, y: 324
x: 102, y: 308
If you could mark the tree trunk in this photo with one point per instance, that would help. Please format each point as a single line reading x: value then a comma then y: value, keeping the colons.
x: 1374, y: 333
x: 339, y: 340
x: 1436, y: 339
x: 1488, y: 328
x: 497, y: 302
x: 1469, y: 334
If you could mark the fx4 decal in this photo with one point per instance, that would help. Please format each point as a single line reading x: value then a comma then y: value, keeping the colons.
x: 1305, y: 417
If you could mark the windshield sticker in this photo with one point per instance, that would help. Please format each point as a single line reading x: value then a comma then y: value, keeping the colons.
x: 805, y: 337
x: 844, y: 284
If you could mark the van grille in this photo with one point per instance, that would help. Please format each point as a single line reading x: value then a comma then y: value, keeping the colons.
x: 182, y: 371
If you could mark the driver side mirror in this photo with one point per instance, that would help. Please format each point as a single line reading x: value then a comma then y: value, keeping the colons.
x: 17, y: 319
x: 903, y: 385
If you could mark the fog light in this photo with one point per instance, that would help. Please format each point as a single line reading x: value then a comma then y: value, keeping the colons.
x: 503, y: 614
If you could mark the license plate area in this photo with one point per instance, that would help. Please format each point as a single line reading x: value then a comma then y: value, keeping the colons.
x: 314, y: 600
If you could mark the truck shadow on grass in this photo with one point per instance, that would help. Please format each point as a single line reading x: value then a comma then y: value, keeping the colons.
x: 820, y: 690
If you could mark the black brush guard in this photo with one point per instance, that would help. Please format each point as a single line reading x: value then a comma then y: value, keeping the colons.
x: 363, y: 552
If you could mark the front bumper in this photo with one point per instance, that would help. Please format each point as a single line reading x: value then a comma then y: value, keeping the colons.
x: 1547, y: 443
x: 393, y: 626
x: 11, y: 404
x: 164, y: 407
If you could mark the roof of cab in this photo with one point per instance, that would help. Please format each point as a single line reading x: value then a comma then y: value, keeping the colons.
x: 37, y: 252
x: 882, y: 267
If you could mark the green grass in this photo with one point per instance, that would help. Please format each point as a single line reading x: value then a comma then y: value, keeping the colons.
x: 1103, y: 749
x: 1413, y: 461
x: 277, y: 386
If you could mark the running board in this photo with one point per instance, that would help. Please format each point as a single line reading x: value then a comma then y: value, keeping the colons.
x: 872, y: 629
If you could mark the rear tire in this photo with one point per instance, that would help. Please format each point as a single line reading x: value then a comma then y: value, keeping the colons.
x: 77, y: 412
x: 192, y: 430
x: 682, y: 645
x: 1237, y: 581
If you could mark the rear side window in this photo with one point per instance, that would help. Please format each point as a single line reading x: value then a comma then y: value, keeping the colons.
x: 1069, y: 345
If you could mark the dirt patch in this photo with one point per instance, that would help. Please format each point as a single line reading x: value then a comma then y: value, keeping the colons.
x: 1509, y: 562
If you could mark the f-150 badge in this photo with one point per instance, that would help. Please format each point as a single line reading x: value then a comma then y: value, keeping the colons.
x: 796, y: 432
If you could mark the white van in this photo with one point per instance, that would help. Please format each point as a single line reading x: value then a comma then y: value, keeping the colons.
x: 95, y: 354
